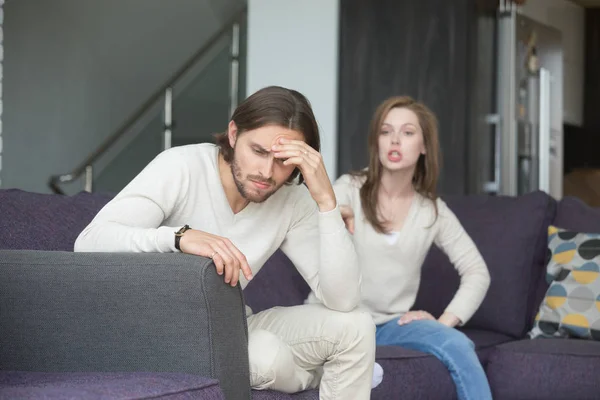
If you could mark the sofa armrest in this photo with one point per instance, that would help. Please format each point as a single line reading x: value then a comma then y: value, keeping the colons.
x: 109, y: 312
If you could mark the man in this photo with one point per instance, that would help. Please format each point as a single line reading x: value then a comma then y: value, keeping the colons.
x: 237, y: 203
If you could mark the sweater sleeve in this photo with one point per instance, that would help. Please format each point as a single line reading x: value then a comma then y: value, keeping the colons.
x: 132, y: 221
x: 466, y: 258
x: 323, y: 252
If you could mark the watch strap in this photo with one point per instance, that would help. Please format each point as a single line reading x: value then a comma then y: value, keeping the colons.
x: 179, y: 234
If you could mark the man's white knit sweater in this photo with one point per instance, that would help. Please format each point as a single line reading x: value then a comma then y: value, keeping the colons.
x: 182, y: 186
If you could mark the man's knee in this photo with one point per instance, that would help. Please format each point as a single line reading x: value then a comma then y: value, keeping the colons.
x: 263, y: 351
x: 272, y: 365
x: 354, y: 327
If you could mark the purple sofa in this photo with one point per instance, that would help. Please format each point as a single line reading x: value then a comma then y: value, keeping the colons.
x: 511, y: 234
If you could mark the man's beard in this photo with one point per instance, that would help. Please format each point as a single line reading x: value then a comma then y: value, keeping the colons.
x: 238, y: 178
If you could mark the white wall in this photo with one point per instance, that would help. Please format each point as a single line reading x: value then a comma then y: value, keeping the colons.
x: 569, y: 18
x: 294, y: 43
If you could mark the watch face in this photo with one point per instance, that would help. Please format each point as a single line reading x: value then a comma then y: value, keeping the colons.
x: 182, y: 230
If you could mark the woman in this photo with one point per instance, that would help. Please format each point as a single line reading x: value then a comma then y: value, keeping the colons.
x: 392, y: 210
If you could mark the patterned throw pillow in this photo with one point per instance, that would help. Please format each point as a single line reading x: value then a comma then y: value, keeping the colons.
x: 571, y: 307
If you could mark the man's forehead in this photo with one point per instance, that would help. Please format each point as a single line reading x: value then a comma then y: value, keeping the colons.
x: 268, y: 137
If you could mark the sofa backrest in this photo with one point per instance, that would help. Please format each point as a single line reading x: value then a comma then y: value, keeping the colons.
x: 511, y: 236
x: 277, y: 284
x: 52, y: 222
x: 573, y: 214
x: 510, y: 233
x: 39, y: 221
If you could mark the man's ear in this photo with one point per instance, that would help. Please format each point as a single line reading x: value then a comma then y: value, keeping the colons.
x: 232, y: 131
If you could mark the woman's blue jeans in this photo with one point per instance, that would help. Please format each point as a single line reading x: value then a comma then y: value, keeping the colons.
x: 452, y: 347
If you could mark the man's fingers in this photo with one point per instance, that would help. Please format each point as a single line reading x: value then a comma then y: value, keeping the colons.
x: 289, y: 153
x: 229, y: 268
x: 235, y: 277
x: 294, y: 161
x: 302, y: 161
x: 242, y: 260
x: 228, y: 260
x: 219, y: 263
x: 305, y: 154
x: 235, y: 271
x: 246, y: 270
x: 291, y: 145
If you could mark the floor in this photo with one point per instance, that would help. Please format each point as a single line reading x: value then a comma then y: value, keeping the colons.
x: 585, y: 184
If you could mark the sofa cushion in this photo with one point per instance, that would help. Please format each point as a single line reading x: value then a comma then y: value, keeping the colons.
x: 571, y: 307
x: 485, y: 342
x: 38, y: 221
x: 277, y: 284
x: 408, y: 374
x: 484, y: 339
x: 124, y: 385
x: 545, y: 369
x: 510, y: 233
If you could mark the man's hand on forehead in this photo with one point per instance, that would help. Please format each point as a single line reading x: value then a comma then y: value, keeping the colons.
x: 310, y: 163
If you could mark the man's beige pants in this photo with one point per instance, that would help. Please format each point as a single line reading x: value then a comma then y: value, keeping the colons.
x: 303, y: 347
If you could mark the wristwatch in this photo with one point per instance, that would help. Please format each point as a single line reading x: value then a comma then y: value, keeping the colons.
x: 179, y: 234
